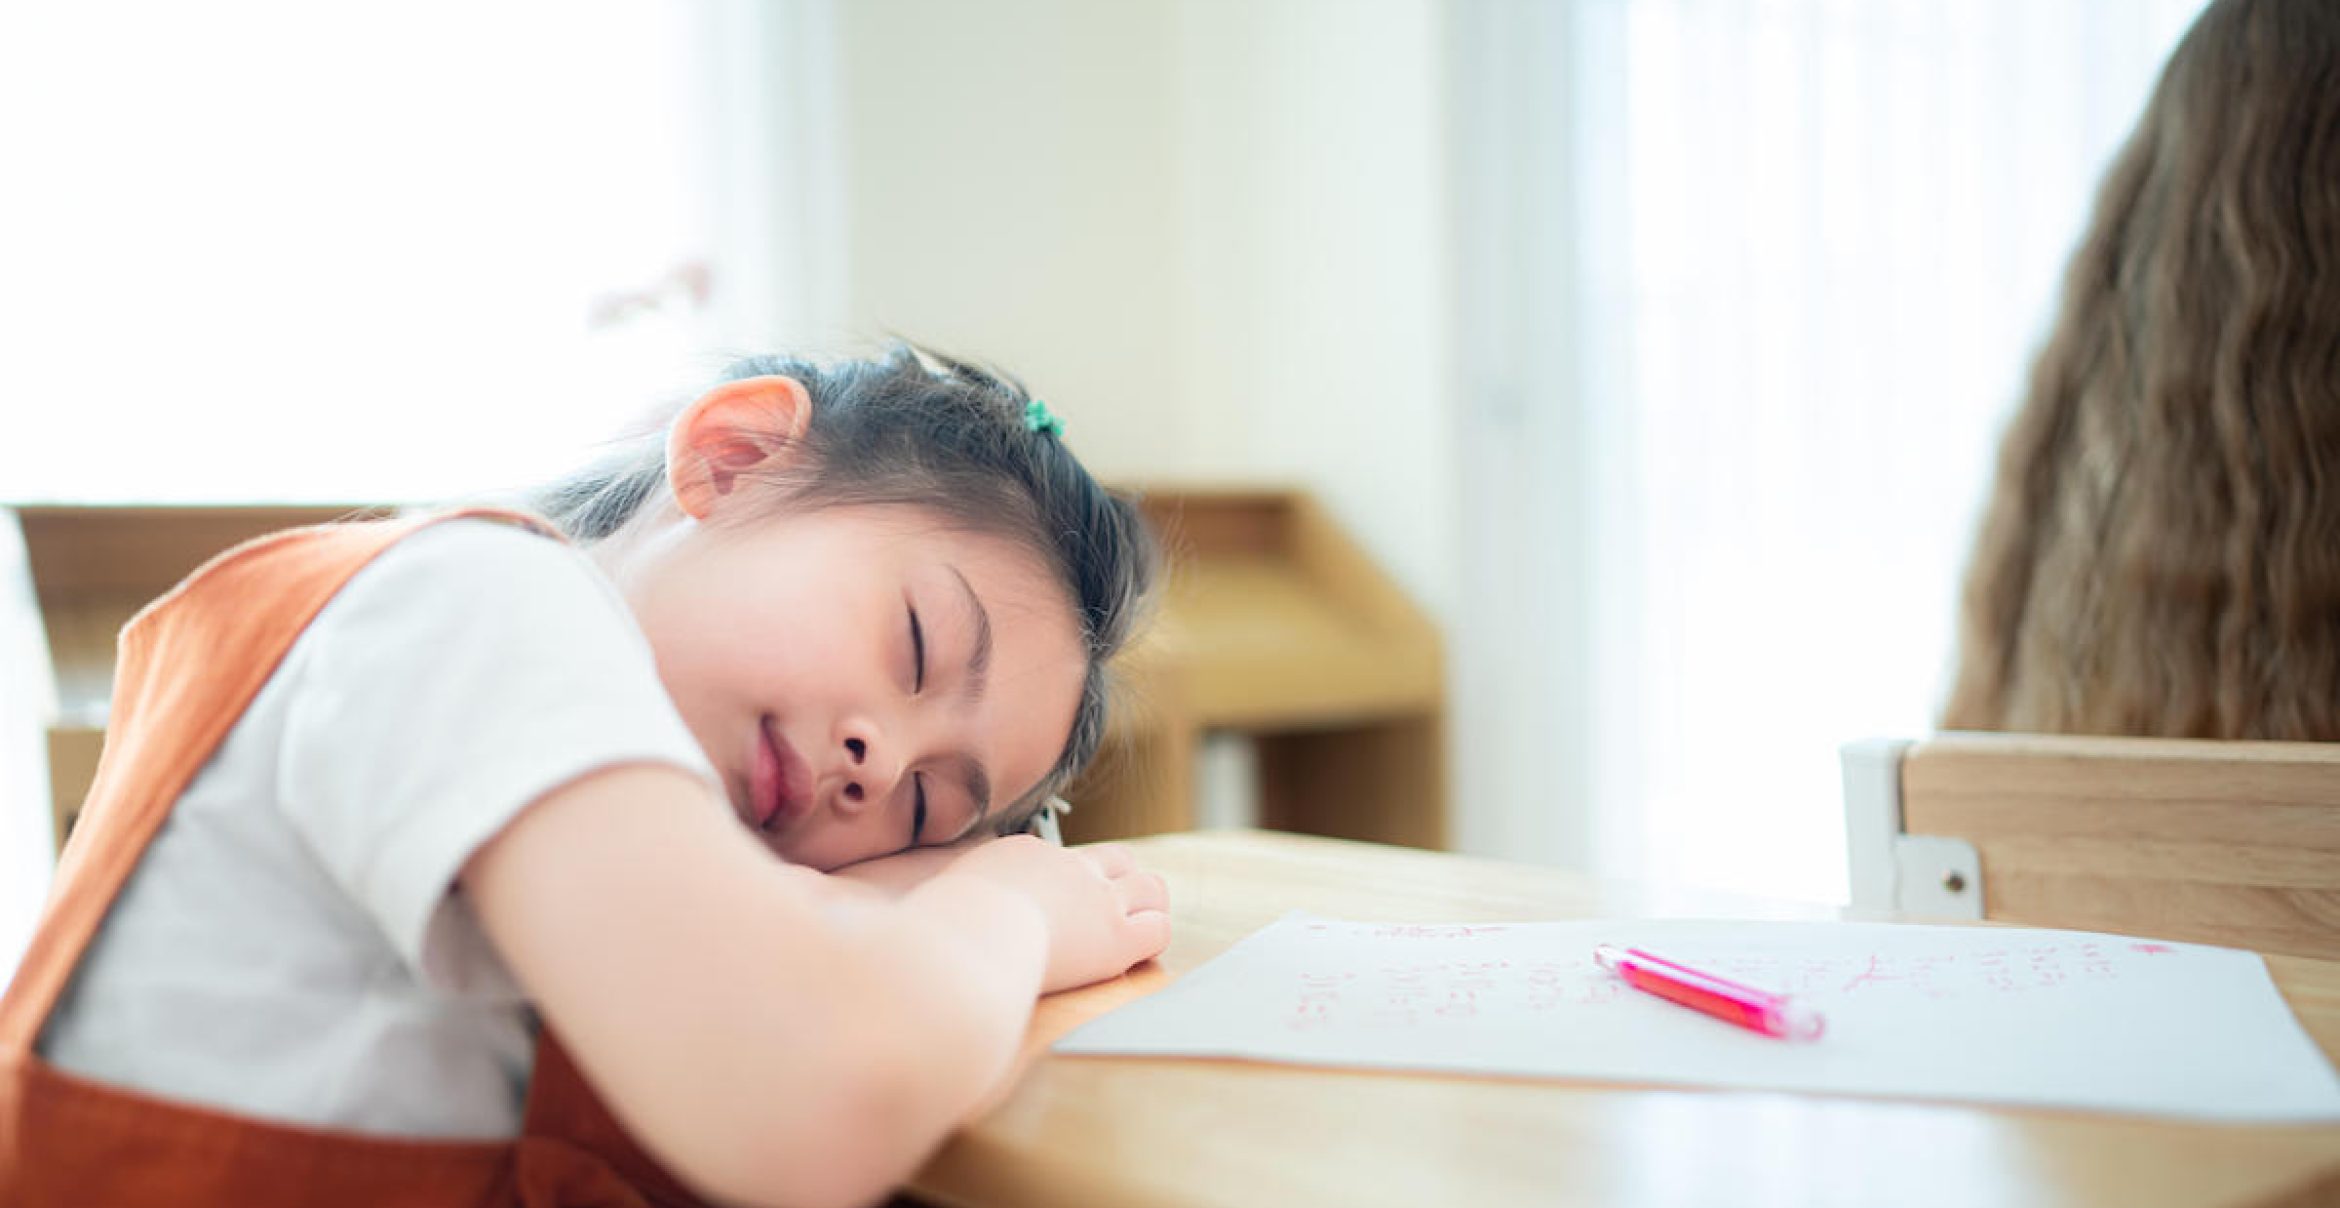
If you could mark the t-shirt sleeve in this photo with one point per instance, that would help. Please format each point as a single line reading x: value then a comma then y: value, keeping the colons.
x: 468, y: 671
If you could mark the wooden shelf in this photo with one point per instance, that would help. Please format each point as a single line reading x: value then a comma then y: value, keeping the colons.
x: 1277, y: 626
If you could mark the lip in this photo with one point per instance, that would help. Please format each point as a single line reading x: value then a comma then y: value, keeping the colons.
x: 780, y: 782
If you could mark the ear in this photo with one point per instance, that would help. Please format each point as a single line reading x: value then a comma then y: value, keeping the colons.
x: 737, y: 427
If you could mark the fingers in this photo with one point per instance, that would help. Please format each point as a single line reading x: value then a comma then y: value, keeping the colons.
x: 1112, y: 859
x: 1144, y: 898
x: 1147, y: 933
x: 1136, y: 888
x: 1142, y: 891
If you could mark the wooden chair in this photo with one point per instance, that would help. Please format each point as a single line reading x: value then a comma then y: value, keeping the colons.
x: 2233, y: 843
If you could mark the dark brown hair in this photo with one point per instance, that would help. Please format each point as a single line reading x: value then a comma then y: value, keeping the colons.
x: 2161, y: 553
x: 913, y: 427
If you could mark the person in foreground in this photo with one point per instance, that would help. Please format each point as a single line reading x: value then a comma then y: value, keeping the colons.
x: 717, y: 770
x: 2161, y: 554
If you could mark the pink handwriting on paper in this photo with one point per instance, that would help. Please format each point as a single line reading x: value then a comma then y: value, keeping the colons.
x: 2004, y: 1015
x: 1385, y: 991
x: 1413, y: 931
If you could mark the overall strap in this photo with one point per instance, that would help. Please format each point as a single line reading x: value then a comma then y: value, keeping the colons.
x: 189, y: 665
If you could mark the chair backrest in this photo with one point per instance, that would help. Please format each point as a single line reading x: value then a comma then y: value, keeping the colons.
x: 2234, y: 843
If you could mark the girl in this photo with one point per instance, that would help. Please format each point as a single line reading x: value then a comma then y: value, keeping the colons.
x: 379, y: 796
x: 2159, y: 556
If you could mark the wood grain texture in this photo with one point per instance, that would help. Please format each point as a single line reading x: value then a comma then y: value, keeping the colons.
x: 1123, y: 1131
x: 2233, y: 843
x: 140, y: 551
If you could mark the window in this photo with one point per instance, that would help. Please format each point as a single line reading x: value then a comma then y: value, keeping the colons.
x: 1750, y: 287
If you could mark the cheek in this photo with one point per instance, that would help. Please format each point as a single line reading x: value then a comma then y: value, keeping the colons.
x: 710, y: 677
x: 692, y: 660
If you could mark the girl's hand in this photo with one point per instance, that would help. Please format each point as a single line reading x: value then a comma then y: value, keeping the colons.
x: 1104, y: 913
x: 904, y: 871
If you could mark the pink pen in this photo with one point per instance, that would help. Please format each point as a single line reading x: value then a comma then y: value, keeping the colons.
x: 1750, y: 1008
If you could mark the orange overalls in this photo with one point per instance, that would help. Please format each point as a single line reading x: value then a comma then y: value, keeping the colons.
x: 191, y: 663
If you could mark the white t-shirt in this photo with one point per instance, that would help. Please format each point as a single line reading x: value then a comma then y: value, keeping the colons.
x: 291, y: 947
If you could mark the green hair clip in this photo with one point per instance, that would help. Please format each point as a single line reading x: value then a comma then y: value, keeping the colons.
x: 1037, y: 418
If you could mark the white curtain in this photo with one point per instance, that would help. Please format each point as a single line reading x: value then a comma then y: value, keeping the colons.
x: 271, y: 250
x: 1749, y: 288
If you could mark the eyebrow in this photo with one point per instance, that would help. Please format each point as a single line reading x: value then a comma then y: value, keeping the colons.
x: 978, y: 784
x: 971, y: 771
x: 979, y: 658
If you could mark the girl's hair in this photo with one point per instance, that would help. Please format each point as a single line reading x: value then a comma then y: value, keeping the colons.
x: 2161, y: 554
x: 913, y: 427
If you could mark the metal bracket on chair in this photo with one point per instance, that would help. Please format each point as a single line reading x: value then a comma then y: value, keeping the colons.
x: 1911, y: 874
x: 1937, y: 876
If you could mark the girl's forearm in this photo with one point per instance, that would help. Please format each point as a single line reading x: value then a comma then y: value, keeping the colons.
x: 902, y: 872
x: 772, y: 1035
x: 991, y: 945
x: 941, y: 985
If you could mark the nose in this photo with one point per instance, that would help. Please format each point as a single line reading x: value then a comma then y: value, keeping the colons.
x: 870, y: 774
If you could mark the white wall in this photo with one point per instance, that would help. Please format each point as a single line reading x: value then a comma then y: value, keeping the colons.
x: 1316, y: 264
x: 1010, y: 183
x: 1210, y: 232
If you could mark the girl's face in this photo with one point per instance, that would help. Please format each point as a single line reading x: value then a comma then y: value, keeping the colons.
x: 865, y: 679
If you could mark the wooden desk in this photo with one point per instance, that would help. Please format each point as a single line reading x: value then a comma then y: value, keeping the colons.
x: 1092, y: 1131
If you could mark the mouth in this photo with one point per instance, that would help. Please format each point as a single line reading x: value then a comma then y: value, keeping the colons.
x: 780, y: 782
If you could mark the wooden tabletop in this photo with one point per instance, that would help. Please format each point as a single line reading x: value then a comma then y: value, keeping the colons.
x: 1086, y: 1131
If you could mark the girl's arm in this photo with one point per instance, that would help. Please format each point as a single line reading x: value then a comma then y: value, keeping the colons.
x: 902, y: 872
x: 772, y: 1036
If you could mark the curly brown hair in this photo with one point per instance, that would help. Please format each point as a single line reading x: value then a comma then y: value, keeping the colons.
x: 2161, y: 553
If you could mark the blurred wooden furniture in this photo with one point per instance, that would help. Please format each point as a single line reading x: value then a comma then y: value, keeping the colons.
x: 92, y: 568
x: 1277, y: 626
x: 1094, y: 1130
x: 2234, y: 843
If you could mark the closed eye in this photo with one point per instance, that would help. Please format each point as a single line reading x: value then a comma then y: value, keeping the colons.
x: 917, y: 807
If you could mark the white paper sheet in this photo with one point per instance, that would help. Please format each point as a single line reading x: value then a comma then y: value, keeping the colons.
x: 1988, y: 1014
